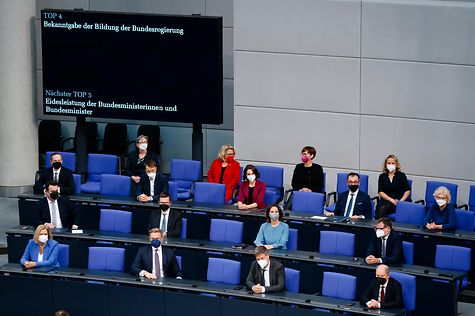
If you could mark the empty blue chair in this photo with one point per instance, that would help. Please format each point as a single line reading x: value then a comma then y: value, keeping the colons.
x: 464, y: 220
x: 411, y: 213
x: 292, y: 280
x: 224, y: 271
x: 63, y: 255
x: 173, y: 190
x: 453, y: 258
x: 273, y: 177
x: 408, y: 250
x: 97, y: 165
x: 408, y: 283
x: 308, y: 202
x: 337, y: 243
x: 431, y: 186
x: 115, y: 185
x: 293, y: 238
x: 69, y: 160
x: 185, y: 173
x: 207, y: 192
x: 184, y: 223
x: 339, y: 285
x: 224, y: 230
x: 115, y: 221
x: 106, y: 259
x: 77, y: 183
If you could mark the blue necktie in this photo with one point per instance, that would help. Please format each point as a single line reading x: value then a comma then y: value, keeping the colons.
x: 350, y: 205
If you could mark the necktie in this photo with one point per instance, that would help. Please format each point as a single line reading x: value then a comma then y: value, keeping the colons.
x: 263, y: 277
x: 163, y: 227
x: 55, y: 178
x: 383, y: 247
x: 381, y: 295
x: 350, y: 205
x: 54, y: 212
x: 157, y: 264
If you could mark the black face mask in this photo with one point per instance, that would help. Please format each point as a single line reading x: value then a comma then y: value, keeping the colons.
x: 54, y: 195
x: 56, y: 165
x: 353, y: 187
x: 381, y: 281
x: 164, y: 207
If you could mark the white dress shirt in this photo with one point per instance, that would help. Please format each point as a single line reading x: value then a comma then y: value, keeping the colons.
x: 266, y: 278
x: 348, y: 201
x: 59, y: 224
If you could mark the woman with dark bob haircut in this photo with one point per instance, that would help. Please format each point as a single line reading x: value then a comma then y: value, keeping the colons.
x: 251, y: 191
x: 274, y: 233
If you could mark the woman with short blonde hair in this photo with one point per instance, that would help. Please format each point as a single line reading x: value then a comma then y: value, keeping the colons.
x: 226, y: 170
x: 42, y: 250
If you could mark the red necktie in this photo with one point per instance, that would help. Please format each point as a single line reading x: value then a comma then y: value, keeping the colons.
x: 382, y: 294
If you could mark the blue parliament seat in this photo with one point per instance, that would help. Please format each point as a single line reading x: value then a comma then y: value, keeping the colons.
x: 106, y: 259
x: 224, y: 230
x: 408, y: 284
x: 292, y: 280
x: 212, y: 193
x: 273, y: 177
x: 97, y: 165
x: 114, y: 185
x: 184, y: 225
x: 185, y: 173
x: 293, y: 239
x: 408, y: 250
x: 454, y: 258
x: 63, y: 255
x: 115, y: 221
x: 339, y: 285
x: 308, y: 202
x: 337, y: 243
x: 411, y: 213
x: 223, y: 271
x: 464, y: 220
x: 173, y: 190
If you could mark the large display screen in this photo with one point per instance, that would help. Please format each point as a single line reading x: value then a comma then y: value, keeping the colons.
x: 132, y: 66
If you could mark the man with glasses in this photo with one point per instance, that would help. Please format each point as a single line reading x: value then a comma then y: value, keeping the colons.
x: 386, y: 245
x: 352, y: 203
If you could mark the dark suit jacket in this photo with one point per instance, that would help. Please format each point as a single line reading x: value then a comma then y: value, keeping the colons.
x: 362, y: 204
x: 144, y: 261
x: 173, y: 224
x: 65, y: 181
x: 67, y: 212
x: 392, y: 294
x: 276, y: 275
x: 394, y: 252
x: 160, y: 185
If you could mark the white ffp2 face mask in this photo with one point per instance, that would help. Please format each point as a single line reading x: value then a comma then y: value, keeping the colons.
x: 440, y: 202
x: 391, y: 168
x: 143, y: 146
x: 251, y: 177
x: 262, y: 263
x: 43, y: 238
x: 379, y: 233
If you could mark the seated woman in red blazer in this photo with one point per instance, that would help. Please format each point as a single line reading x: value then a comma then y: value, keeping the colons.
x: 225, y: 170
x: 251, y: 191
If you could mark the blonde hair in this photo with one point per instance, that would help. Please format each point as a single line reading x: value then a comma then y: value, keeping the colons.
x: 38, y: 231
x: 444, y: 191
x: 155, y: 230
x: 222, y: 151
x: 398, y: 166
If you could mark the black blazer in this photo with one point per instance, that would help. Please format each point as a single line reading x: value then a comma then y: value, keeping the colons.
x: 144, y: 261
x: 392, y: 294
x: 160, y: 185
x: 65, y: 181
x: 394, y: 252
x: 276, y: 275
x: 67, y: 212
x: 173, y: 225
x: 362, y: 204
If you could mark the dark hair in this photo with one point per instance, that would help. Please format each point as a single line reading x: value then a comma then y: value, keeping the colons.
x: 261, y: 250
x: 311, y: 150
x: 54, y: 154
x: 61, y: 312
x: 281, y: 213
x: 164, y: 195
x: 352, y: 174
x: 254, y: 170
x: 151, y: 164
x: 386, y: 222
x: 51, y: 182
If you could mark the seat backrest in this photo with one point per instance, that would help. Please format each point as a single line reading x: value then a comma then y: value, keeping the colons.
x: 308, y: 202
x: 106, y: 258
x: 224, y: 271
x: 207, y: 192
x: 69, y: 160
x: 113, y: 184
x: 173, y: 190
x: 409, y: 198
x: 224, y: 230
x: 273, y: 177
x: 411, y: 213
x: 431, y: 186
x: 115, y: 221
x: 184, y: 223
x: 292, y: 280
x: 49, y: 136
x: 453, y: 257
x: 342, y: 185
x: 408, y: 249
x: 408, y: 283
x: 178, y: 260
x: 185, y: 172
x: 115, y: 139
x: 293, y: 238
x: 63, y: 255
x: 337, y: 243
x: 471, y: 198
x: 464, y: 220
x: 153, y: 134
x: 339, y: 285
x: 98, y: 164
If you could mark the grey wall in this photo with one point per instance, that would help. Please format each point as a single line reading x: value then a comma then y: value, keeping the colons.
x: 358, y: 80
x: 176, y: 138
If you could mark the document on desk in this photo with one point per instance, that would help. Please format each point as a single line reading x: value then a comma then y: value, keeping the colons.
x: 319, y: 217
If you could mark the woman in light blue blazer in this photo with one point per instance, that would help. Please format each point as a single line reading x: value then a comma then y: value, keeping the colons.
x: 42, y: 250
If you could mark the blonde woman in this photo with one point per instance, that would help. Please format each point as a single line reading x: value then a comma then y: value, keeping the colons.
x: 224, y: 169
x: 42, y: 250
x: 441, y: 215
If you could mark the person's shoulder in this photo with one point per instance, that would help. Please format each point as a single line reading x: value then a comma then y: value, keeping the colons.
x: 66, y: 170
x: 276, y: 263
x: 393, y: 282
x: 284, y: 225
x: 363, y: 194
x: 317, y: 166
x: 31, y: 243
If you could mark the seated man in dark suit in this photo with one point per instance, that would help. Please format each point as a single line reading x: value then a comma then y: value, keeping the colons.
x: 55, y: 211
x: 151, y: 183
x: 58, y: 173
x: 168, y: 220
x: 384, y: 291
x: 149, y: 258
x: 386, y: 245
x: 266, y: 275
x: 353, y: 203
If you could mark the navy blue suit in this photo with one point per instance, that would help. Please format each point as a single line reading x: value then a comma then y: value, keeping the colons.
x: 394, y: 252
x: 362, y: 204
x: 392, y: 294
x: 174, y: 223
x: 67, y: 212
x: 160, y: 185
x: 144, y: 261
x: 65, y: 181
